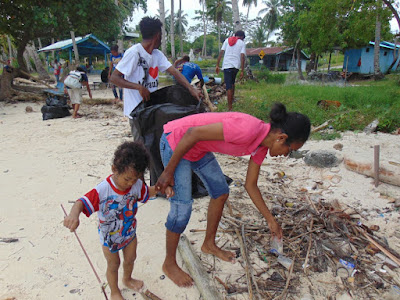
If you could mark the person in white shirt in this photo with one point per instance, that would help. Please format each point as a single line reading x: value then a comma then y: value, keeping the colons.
x: 234, y: 51
x: 138, y: 71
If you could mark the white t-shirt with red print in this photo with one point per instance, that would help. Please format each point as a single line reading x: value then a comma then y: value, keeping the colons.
x: 140, y: 67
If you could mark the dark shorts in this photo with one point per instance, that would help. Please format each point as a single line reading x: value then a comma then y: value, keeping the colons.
x: 230, y: 77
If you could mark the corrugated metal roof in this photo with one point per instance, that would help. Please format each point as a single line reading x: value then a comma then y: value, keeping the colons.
x: 65, y: 44
x: 386, y: 45
x: 267, y: 50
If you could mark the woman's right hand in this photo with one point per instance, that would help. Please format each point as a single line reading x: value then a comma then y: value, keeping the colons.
x: 71, y: 222
x: 166, y: 179
x: 275, y: 229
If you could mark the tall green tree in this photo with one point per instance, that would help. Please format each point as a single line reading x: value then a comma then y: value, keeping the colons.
x: 216, y: 12
x: 271, y: 14
x: 248, y: 3
x: 161, y: 11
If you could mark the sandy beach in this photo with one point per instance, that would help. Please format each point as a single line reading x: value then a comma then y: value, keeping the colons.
x: 44, y: 164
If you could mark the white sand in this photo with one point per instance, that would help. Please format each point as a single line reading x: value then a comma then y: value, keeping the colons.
x: 47, y: 163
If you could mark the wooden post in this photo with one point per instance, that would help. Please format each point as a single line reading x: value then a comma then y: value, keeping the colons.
x: 345, y: 74
x: 197, y: 271
x: 376, y: 165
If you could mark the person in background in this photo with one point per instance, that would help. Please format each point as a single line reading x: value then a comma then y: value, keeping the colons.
x: 187, y: 145
x: 189, y: 69
x: 115, y: 58
x: 138, y: 71
x: 234, y: 52
x: 75, y: 94
x: 57, y: 70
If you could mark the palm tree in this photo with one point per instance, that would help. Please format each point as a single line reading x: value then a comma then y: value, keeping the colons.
x: 161, y: 10
x: 272, y: 13
x: 203, y: 5
x: 236, y: 17
x: 172, y: 32
x: 260, y: 34
x: 248, y: 3
x: 180, y: 27
x: 216, y: 11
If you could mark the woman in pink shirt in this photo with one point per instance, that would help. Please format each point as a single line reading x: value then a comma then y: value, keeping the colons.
x: 187, y: 144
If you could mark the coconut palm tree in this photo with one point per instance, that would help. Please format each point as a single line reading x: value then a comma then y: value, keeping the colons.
x: 236, y: 17
x: 271, y: 14
x: 161, y: 10
x: 248, y: 3
x: 203, y: 5
x: 216, y: 12
x: 172, y: 32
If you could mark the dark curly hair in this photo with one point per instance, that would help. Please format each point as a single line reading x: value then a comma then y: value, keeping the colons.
x: 297, y: 126
x: 131, y: 155
x: 149, y: 27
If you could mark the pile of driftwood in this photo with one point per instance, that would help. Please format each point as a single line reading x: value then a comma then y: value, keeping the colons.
x: 319, y: 238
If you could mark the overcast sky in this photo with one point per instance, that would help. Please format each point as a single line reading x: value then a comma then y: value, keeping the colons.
x: 189, y: 7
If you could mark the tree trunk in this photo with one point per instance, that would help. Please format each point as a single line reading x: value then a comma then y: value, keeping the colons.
x: 43, y: 75
x: 163, y: 32
x: 298, y: 52
x: 53, y: 52
x: 180, y: 27
x: 120, y: 42
x: 247, y: 16
x: 219, y: 34
x: 9, y: 48
x: 40, y: 43
x: 203, y: 51
x: 377, y: 70
x: 396, y: 53
x: 236, y: 17
x: 172, y: 29
x: 27, y: 59
x: 75, y: 47
x: 311, y: 64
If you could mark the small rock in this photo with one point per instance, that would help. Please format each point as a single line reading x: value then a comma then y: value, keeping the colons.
x: 322, y: 159
x: 338, y: 146
x: 397, y: 202
x: 162, y: 277
x: 29, y: 109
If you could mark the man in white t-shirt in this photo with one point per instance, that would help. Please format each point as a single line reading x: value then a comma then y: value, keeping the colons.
x: 138, y: 71
x: 235, y: 50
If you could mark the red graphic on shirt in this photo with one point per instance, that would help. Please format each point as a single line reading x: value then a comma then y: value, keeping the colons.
x: 153, y: 72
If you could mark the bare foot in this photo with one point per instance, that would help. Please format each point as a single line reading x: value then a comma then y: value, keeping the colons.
x: 177, y: 275
x: 218, y: 252
x: 116, y: 296
x: 133, y: 284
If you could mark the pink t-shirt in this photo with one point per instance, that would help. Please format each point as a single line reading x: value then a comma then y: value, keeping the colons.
x: 243, y: 135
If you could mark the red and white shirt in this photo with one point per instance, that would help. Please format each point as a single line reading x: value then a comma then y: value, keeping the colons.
x: 116, y: 210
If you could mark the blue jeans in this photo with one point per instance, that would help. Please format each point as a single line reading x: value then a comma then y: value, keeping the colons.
x: 210, y: 173
x: 114, y: 89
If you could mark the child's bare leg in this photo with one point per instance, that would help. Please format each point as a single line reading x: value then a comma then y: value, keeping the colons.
x: 129, y: 260
x: 213, y: 217
x: 113, y: 262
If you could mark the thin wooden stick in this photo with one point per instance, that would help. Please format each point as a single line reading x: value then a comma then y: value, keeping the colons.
x: 309, y: 247
x: 376, y: 165
x: 379, y: 246
x: 242, y: 250
x: 288, y: 280
x: 87, y: 256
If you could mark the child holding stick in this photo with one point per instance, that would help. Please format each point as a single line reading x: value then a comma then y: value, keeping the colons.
x: 115, y: 199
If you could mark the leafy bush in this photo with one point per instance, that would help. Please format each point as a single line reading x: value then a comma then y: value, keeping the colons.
x: 270, y: 77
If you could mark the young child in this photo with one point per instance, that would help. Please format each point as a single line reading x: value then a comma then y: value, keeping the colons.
x: 116, y: 201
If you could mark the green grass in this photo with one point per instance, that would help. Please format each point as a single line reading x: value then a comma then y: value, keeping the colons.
x: 361, y: 104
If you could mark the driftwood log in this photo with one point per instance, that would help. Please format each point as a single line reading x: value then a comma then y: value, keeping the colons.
x: 197, y: 270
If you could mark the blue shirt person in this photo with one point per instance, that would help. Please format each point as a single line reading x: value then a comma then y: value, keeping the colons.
x: 189, y: 69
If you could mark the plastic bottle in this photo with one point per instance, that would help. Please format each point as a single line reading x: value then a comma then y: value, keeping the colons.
x: 276, y: 246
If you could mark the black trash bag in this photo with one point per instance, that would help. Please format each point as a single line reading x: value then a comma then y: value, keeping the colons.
x: 166, y: 104
x: 104, y: 75
x: 54, y: 112
x: 53, y: 100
